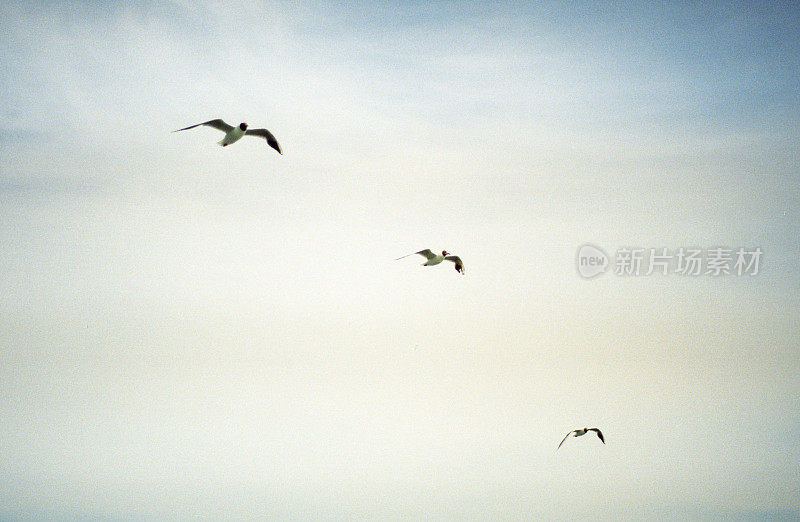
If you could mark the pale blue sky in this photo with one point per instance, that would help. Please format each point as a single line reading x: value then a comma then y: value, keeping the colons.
x: 191, y: 331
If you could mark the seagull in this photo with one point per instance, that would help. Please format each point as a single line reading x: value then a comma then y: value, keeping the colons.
x: 435, y: 259
x: 583, y: 431
x: 234, y: 134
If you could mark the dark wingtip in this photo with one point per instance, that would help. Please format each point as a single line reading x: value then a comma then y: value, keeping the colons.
x: 599, y: 435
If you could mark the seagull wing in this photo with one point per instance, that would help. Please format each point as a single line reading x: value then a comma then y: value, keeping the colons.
x: 427, y: 253
x: 599, y: 434
x: 565, y: 438
x: 217, y: 124
x: 267, y: 135
x: 458, y: 263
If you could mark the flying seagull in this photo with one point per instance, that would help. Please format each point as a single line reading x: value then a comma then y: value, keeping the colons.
x: 583, y: 431
x: 435, y: 259
x: 234, y: 134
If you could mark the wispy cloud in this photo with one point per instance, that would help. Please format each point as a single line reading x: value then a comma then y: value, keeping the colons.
x: 18, y: 135
x: 52, y: 184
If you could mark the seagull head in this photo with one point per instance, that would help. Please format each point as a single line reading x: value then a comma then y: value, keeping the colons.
x: 243, y: 126
x: 445, y: 252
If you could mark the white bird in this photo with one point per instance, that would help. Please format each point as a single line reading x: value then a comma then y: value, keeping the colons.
x: 435, y: 259
x: 583, y: 431
x: 234, y: 134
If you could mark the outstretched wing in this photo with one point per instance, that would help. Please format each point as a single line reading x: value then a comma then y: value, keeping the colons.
x: 458, y: 263
x: 565, y: 438
x: 427, y: 253
x: 217, y: 124
x: 267, y: 135
x: 599, y: 434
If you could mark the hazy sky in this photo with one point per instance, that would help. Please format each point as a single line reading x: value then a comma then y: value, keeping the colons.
x: 191, y: 331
